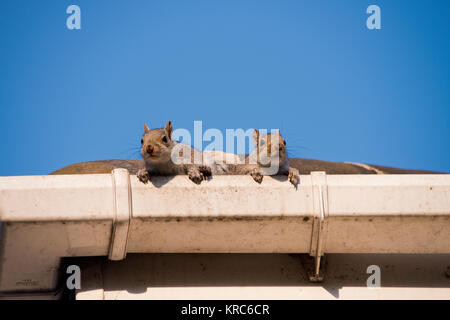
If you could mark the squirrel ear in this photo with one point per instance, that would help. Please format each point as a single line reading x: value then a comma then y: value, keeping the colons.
x: 169, y: 129
x: 256, y: 137
x: 146, y: 129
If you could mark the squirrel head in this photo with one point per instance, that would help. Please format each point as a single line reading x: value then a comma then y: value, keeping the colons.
x: 157, y: 144
x: 270, y: 148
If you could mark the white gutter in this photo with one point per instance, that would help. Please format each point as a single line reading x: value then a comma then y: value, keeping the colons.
x: 44, y: 218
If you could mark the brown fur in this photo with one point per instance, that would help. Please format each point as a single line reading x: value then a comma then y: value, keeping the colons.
x: 156, y: 150
x: 273, y: 147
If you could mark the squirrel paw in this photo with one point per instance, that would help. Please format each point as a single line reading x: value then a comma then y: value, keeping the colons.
x: 195, y: 175
x: 143, y: 176
x: 294, y: 176
x: 257, y: 175
x: 205, y: 171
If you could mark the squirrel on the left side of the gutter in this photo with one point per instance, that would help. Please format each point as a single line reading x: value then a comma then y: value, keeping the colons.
x: 159, y: 150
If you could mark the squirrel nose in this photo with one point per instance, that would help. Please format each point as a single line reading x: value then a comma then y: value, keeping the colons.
x: 149, y: 149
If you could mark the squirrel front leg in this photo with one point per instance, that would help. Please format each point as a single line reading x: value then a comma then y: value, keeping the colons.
x: 205, y: 171
x: 293, y: 176
x: 143, y: 176
x: 257, y: 175
x: 195, y: 174
x: 253, y: 170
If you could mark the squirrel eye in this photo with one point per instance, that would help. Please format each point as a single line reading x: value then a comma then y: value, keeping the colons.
x: 142, y: 141
x: 284, y: 142
x: 164, y: 139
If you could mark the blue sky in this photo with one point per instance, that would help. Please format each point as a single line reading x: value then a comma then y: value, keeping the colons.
x: 337, y: 90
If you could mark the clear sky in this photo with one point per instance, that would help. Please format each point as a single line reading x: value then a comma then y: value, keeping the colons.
x: 337, y: 90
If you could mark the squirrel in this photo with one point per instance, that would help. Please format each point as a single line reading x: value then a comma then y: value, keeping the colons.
x: 268, y: 158
x: 159, y: 152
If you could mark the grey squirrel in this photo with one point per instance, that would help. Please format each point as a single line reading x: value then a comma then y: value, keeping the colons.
x: 268, y: 158
x: 159, y: 152
x: 165, y: 157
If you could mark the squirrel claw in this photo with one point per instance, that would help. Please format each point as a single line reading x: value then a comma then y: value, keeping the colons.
x: 195, y: 175
x: 143, y: 176
x: 196, y: 178
x: 293, y: 176
x: 257, y: 175
x: 205, y: 171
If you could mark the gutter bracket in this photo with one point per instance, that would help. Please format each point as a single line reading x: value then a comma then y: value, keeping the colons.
x: 122, y: 214
x: 320, y: 223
